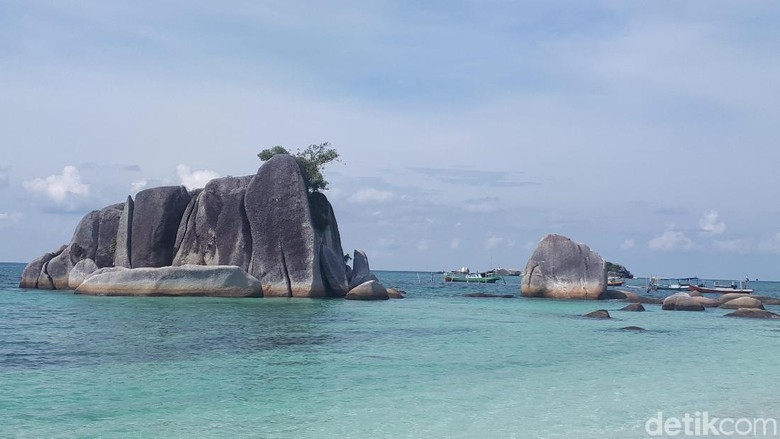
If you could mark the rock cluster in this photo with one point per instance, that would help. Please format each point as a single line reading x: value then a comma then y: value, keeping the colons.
x: 267, y: 225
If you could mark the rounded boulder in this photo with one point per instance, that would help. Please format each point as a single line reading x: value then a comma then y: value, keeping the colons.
x: 371, y: 290
x: 743, y: 302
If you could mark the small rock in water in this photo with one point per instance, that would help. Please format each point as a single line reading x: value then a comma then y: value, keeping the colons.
x: 394, y: 293
x: 681, y: 302
x: 633, y: 307
x: 768, y: 300
x: 633, y: 328
x: 600, y: 314
x: 752, y: 313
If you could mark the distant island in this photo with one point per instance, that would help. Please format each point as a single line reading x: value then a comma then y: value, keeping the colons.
x: 618, y: 270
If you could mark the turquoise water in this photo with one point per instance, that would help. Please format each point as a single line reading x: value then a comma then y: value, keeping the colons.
x: 433, y: 365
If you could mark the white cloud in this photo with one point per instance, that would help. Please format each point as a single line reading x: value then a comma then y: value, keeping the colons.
x: 732, y: 246
x: 771, y: 245
x: 709, y: 224
x: 670, y: 240
x: 138, y: 185
x: 627, y: 244
x: 371, y: 196
x: 455, y: 243
x: 194, y: 179
x: 424, y: 245
x: 59, y: 187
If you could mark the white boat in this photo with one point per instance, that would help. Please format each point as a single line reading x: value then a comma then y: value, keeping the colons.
x: 720, y: 288
x: 672, y: 283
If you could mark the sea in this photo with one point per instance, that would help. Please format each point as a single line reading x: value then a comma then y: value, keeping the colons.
x: 434, y: 365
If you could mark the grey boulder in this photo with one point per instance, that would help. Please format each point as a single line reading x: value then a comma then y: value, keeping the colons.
x: 214, y: 229
x: 35, y: 269
x: 753, y: 313
x: 333, y: 271
x: 681, y: 302
x: 563, y: 269
x: 743, y: 302
x: 371, y: 290
x: 599, y: 314
x: 394, y: 293
x: 81, y: 271
x: 705, y: 301
x: 107, y: 235
x: 361, y: 271
x: 124, y: 235
x: 83, y: 245
x: 633, y: 307
x: 186, y: 280
x: 285, y: 245
x: 156, y: 216
x: 730, y: 296
x: 628, y: 296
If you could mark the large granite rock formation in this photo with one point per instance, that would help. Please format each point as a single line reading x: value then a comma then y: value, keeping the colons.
x: 285, y: 247
x: 214, y: 229
x: 563, y: 269
x: 156, y: 217
x: 267, y: 225
x: 186, y: 280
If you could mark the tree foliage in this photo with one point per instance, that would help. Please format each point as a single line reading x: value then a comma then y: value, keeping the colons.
x: 312, y: 160
x: 619, y: 270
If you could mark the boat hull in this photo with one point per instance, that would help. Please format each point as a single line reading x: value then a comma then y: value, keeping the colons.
x: 482, y: 280
x: 720, y: 290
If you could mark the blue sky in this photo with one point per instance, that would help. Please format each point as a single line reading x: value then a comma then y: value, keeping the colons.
x: 468, y: 130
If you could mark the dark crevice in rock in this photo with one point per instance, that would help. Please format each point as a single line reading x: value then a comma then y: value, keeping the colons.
x: 247, y: 232
x: 45, y: 272
x: 320, y: 211
x: 285, y: 272
x: 185, y: 224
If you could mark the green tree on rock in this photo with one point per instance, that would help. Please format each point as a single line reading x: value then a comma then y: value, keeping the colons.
x: 312, y: 160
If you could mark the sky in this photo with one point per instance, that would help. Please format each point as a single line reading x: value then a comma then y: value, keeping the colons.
x: 468, y: 130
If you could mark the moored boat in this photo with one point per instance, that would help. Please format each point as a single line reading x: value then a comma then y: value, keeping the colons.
x: 454, y: 276
x: 614, y: 281
x: 718, y: 288
x: 674, y: 284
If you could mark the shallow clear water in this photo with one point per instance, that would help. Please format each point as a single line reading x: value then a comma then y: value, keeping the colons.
x: 433, y: 365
